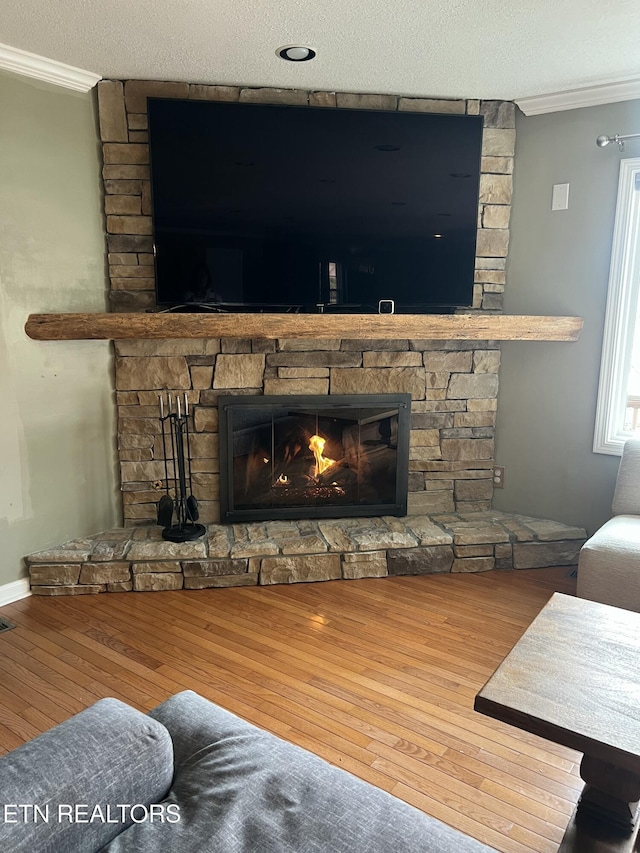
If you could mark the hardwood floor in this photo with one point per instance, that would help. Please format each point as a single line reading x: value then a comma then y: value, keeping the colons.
x: 376, y: 676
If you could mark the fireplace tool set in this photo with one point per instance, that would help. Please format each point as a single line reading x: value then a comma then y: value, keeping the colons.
x: 177, y: 459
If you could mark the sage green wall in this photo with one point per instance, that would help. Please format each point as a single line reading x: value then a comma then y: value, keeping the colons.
x: 57, y: 478
x: 559, y: 264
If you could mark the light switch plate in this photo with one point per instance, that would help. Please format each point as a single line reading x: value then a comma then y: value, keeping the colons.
x: 560, y: 197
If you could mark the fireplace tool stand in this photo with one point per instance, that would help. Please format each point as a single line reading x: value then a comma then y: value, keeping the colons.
x: 177, y: 458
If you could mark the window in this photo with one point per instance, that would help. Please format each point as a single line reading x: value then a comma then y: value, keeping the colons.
x: 618, y: 409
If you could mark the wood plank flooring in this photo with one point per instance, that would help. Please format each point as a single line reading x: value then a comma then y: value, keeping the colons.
x: 376, y: 676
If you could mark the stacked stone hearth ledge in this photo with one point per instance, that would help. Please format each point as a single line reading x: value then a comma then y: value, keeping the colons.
x: 138, y: 559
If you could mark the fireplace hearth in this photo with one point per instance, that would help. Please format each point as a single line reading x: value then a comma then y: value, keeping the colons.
x: 303, y: 456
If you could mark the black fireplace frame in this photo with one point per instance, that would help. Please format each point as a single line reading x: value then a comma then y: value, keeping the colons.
x: 231, y: 515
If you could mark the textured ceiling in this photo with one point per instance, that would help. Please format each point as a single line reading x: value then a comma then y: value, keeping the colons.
x: 448, y: 48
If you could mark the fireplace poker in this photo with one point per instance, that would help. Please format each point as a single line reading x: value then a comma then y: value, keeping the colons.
x: 192, y: 503
x: 171, y: 418
x: 165, y: 504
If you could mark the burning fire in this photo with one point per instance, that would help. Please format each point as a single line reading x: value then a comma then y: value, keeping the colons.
x: 317, y: 444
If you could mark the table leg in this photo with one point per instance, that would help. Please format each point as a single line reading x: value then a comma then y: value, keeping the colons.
x: 606, y: 817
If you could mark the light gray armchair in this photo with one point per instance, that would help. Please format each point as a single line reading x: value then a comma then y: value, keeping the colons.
x: 609, y: 562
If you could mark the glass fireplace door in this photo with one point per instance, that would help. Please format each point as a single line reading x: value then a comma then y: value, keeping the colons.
x: 313, y: 457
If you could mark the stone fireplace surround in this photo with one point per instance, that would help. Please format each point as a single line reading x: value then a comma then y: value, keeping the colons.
x: 453, y: 385
x: 452, y: 422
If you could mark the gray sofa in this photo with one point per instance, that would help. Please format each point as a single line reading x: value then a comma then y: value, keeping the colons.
x: 609, y: 562
x: 201, y: 779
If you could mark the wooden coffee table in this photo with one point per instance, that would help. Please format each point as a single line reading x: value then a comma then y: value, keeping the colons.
x: 574, y: 678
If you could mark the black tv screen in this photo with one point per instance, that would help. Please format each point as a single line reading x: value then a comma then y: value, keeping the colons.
x: 280, y: 208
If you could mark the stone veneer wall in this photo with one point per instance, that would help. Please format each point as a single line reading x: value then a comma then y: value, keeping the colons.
x: 452, y: 421
x: 453, y: 384
x: 122, y: 111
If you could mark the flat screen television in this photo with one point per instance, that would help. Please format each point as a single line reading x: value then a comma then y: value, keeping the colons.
x: 282, y: 208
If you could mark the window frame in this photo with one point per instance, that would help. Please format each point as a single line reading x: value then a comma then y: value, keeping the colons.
x: 621, y: 313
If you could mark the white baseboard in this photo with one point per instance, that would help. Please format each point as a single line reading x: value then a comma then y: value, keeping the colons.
x: 14, y: 591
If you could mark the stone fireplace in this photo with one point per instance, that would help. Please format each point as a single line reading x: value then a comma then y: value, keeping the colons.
x: 453, y: 386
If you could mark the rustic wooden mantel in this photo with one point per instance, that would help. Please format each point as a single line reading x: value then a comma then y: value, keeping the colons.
x: 481, y: 326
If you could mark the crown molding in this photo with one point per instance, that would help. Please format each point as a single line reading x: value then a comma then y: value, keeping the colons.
x: 48, y: 70
x: 573, y: 99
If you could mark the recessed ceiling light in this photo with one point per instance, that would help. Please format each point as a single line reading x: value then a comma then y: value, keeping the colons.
x: 459, y: 175
x: 437, y: 236
x: 295, y: 53
x: 387, y: 147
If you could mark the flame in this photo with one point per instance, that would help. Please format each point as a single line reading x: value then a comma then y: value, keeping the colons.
x: 317, y: 444
x: 282, y: 480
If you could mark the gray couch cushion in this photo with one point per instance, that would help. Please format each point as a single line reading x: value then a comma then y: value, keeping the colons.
x: 109, y: 754
x: 626, y: 499
x: 242, y: 790
x: 609, y: 564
